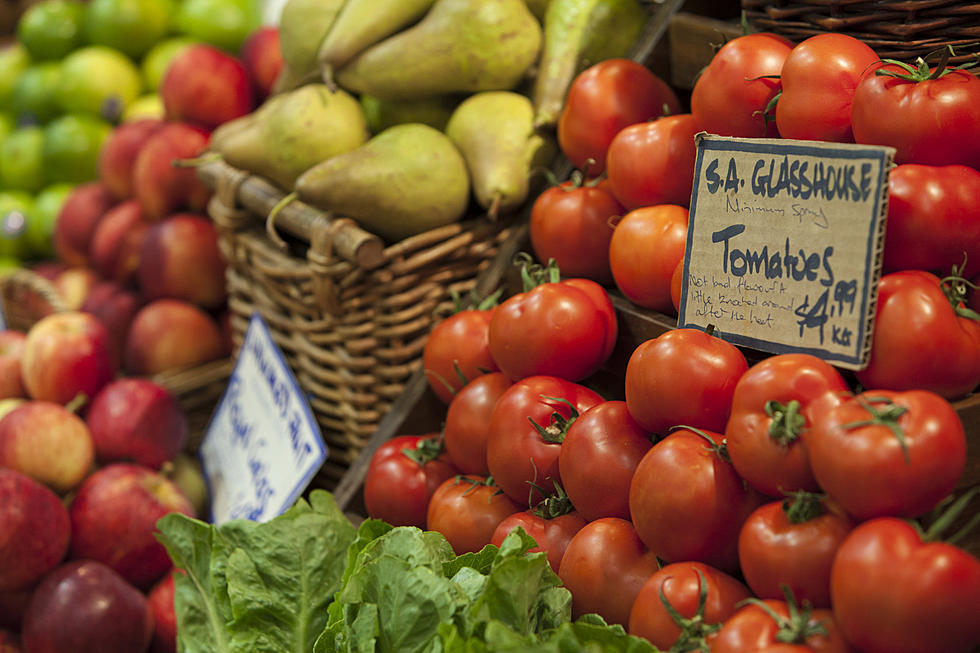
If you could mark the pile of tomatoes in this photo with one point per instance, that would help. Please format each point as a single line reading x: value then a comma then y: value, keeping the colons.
x: 722, y: 506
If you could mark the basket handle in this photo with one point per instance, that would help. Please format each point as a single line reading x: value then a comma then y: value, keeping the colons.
x: 350, y: 242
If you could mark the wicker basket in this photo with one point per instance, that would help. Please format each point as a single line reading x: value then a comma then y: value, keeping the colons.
x: 895, y: 29
x: 350, y: 315
x: 26, y: 297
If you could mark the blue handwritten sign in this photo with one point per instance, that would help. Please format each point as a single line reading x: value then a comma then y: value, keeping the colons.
x: 263, y: 445
x: 784, y: 245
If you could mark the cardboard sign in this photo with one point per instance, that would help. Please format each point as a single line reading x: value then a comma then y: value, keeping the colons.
x: 784, y: 245
x: 263, y: 445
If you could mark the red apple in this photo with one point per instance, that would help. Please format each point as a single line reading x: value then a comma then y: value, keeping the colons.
x: 114, y: 516
x: 11, y: 353
x: 67, y: 354
x: 115, y: 248
x: 50, y: 444
x: 114, y: 306
x: 163, y: 188
x: 34, y: 531
x: 206, y: 86
x: 7, y: 405
x: 12, y: 607
x: 79, y: 215
x: 74, y: 285
x: 169, y: 334
x: 137, y: 420
x: 181, y: 259
x: 9, y: 642
x: 83, y: 605
x: 118, y: 154
x: 161, y: 599
x: 262, y: 57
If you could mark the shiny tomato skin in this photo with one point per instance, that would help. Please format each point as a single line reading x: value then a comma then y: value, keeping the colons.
x: 645, y: 248
x: 561, y: 329
x: 573, y: 225
x: 606, y: 438
x: 605, y: 98
x: 933, y: 122
x: 396, y: 488
x: 683, y: 377
x: 775, y: 464
x: 732, y: 93
x: 894, y: 593
x: 461, y: 338
x: 552, y: 535
x: 516, y: 453
x: 773, y: 551
x: 918, y: 341
x: 467, y: 511
x: 818, y: 79
x: 863, y: 467
x: 467, y: 424
x: 604, y: 566
x: 933, y: 219
x: 652, y: 163
x: 752, y: 629
x: 688, y: 504
x: 680, y: 585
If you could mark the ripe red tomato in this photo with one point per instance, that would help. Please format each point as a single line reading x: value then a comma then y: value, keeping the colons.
x: 644, y: 251
x: 818, y: 80
x: 894, y: 593
x: 551, y: 530
x: 607, y: 438
x: 753, y: 628
x: 403, y: 474
x: 603, y: 99
x: 928, y: 117
x: 652, y: 162
x: 529, y: 411
x: 696, y: 591
x: 684, y: 376
x: 458, y: 346
x: 687, y: 502
x: 886, y: 453
x: 920, y: 340
x: 467, y: 510
x: 468, y: 422
x: 792, y: 543
x: 731, y: 95
x: 604, y: 566
x: 773, y: 406
x: 933, y: 219
x: 572, y: 224
x: 559, y: 328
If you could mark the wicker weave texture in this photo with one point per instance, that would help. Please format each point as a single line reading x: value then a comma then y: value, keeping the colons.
x: 896, y: 29
x: 352, y: 336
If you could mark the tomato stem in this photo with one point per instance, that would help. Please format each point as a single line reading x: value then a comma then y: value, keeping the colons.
x: 887, y: 417
x: 797, y: 628
x: 719, y: 448
x: 950, y: 515
x: 558, y: 425
x: 801, y: 506
x: 694, y: 631
x: 554, y: 504
x: 956, y: 288
x: 921, y: 71
x: 787, y: 422
x: 425, y: 451
x: 534, y: 274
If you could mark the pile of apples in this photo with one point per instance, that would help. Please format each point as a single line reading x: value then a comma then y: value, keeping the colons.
x: 89, y: 462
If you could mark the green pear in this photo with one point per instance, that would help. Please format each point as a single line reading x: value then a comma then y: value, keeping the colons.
x: 577, y: 34
x: 494, y: 131
x: 406, y: 180
x: 362, y: 23
x: 382, y: 114
x: 303, y: 25
x: 461, y: 46
x: 292, y: 132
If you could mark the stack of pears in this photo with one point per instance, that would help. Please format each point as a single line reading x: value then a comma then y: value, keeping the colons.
x: 398, y: 113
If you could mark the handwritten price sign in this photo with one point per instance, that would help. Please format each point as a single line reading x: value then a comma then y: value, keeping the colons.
x: 784, y: 245
x: 263, y: 445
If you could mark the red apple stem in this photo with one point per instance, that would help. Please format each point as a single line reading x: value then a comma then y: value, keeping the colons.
x: 76, y: 403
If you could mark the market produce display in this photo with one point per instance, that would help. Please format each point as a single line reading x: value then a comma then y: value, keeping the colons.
x: 580, y: 488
